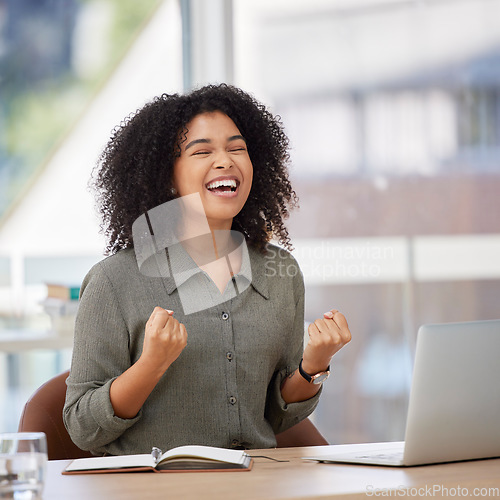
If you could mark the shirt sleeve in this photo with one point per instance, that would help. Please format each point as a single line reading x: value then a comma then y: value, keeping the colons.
x: 282, y: 415
x: 100, y: 354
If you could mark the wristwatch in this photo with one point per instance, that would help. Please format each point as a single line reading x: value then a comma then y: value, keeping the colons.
x: 319, y: 378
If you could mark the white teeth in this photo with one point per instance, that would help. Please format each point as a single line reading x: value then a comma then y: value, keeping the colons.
x: 225, y: 182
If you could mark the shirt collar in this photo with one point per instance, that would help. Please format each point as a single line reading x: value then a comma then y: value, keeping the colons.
x: 252, y: 268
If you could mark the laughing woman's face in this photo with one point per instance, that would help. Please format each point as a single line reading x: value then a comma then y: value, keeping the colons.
x: 214, y: 162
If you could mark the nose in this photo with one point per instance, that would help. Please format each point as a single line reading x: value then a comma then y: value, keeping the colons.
x: 222, y: 161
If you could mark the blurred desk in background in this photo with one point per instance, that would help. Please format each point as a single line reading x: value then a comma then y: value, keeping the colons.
x: 28, y: 358
x: 15, y: 341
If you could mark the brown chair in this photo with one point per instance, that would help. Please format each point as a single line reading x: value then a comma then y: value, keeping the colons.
x: 43, y: 413
x: 304, y: 433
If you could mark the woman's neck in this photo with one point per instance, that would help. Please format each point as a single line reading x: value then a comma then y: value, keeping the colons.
x: 216, y: 253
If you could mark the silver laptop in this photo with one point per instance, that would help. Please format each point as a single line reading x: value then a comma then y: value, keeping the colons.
x: 454, y: 407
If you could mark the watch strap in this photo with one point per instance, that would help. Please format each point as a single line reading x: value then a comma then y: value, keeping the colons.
x: 311, y: 378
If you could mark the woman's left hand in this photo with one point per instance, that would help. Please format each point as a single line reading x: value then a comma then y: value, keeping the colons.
x: 326, y: 337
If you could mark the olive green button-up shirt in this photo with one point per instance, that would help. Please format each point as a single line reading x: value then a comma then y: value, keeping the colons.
x: 224, y: 388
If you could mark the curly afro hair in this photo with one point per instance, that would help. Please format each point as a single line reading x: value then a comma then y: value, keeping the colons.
x: 134, y: 172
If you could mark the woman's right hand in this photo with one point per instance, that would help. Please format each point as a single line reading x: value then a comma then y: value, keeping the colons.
x: 164, y: 339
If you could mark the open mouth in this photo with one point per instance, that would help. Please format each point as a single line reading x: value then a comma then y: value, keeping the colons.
x: 223, y: 186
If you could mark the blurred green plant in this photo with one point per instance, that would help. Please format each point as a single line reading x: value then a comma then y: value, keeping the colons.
x: 37, y: 117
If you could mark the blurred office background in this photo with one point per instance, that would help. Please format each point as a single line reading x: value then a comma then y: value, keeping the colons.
x: 393, y: 111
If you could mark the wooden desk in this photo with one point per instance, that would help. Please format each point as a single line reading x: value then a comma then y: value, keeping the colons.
x: 296, y: 479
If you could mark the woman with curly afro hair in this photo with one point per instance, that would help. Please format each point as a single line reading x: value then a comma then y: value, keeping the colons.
x: 182, y: 342
x: 141, y: 154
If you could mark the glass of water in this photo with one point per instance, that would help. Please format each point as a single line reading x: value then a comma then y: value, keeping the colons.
x: 23, y: 460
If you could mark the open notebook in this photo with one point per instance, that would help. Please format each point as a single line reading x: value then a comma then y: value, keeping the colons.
x: 180, y: 459
x: 454, y: 408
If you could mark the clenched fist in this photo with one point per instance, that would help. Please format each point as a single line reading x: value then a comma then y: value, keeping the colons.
x: 164, y: 339
x: 326, y: 337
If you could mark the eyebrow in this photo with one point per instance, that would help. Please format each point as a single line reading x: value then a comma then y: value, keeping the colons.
x: 208, y: 141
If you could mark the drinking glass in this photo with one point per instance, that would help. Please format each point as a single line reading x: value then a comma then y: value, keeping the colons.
x: 23, y: 460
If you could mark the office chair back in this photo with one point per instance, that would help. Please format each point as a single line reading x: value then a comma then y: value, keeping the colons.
x: 304, y: 433
x: 43, y: 413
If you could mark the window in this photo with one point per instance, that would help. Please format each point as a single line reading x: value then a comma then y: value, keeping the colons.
x: 392, y: 111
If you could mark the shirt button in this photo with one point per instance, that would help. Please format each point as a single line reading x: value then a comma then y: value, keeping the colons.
x: 225, y: 316
x: 229, y: 355
x: 235, y: 442
x: 232, y: 400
